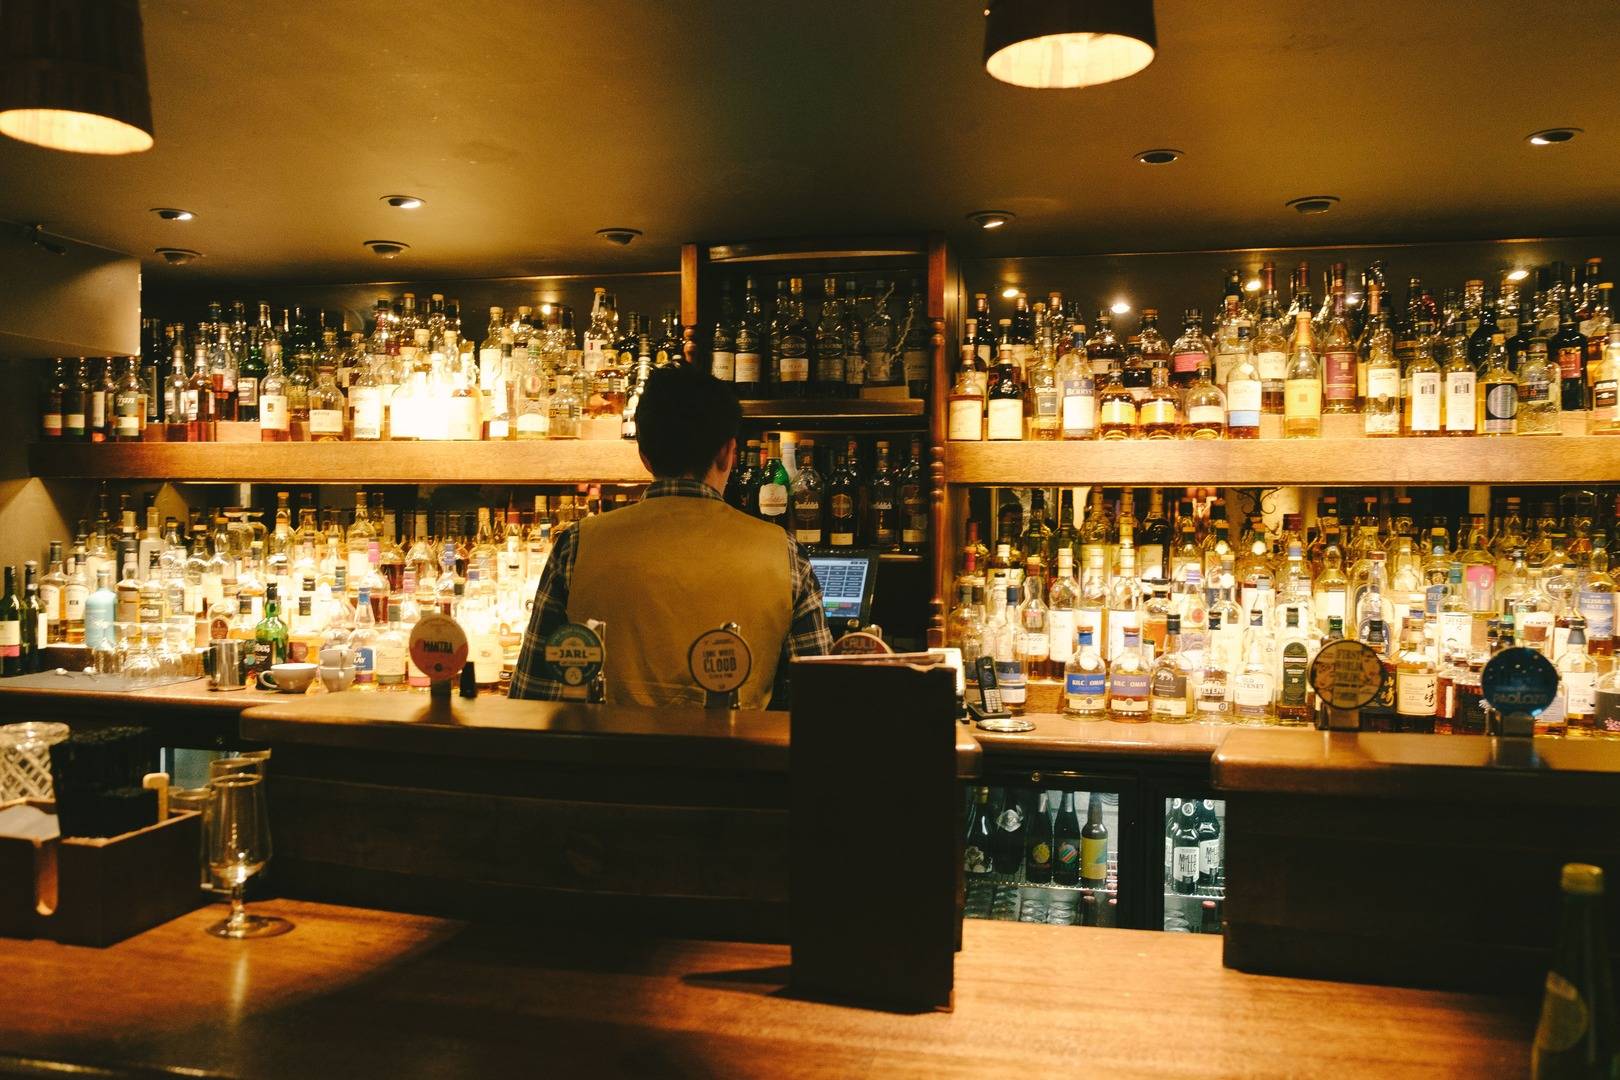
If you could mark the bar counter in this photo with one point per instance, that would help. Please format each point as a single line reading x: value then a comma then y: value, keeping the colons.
x: 355, y: 992
x: 187, y: 714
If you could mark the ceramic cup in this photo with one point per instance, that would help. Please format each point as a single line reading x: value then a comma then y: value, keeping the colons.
x: 336, y: 679
x: 288, y: 678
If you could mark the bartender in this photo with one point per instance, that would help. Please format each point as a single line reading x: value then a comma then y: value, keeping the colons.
x: 678, y: 564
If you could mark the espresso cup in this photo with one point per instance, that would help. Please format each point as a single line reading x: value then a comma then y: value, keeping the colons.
x: 336, y: 679
x: 288, y: 678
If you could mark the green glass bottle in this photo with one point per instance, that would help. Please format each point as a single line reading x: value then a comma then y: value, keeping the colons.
x: 11, y: 617
x: 1579, y: 1032
x: 270, y: 636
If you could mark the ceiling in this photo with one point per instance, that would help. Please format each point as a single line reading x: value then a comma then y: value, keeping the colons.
x: 526, y: 127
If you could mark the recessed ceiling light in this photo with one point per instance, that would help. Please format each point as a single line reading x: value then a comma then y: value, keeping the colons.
x: 386, y: 248
x: 618, y: 235
x: 172, y: 213
x: 991, y: 219
x: 177, y: 256
x: 1518, y: 275
x: 1550, y: 136
x: 1120, y: 307
x: 402, y: 202
x: 1158, y: 157
x: 1252, y: 285
x: 1009, y: 292
x: 1313, y: 204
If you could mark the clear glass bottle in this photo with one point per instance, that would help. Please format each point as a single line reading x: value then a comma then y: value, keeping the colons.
x: 1005, y: 404
x: 1129, y: 681
x: 1302, y: 405
x: 1204, y: 406
x: 1497, y: 400
x: 1085, y: 680
x: 1044, y: 393
x: 1381, y: 392
x: 1246, y: 388
x: 1254, y: 681
x: 877, y: 332
x: 1540, y: 411
x: 1604, y: 417
x: 1423, y: 383
x: 1159, y: 414
x: 326, y: 404
x: 1190, y: 350
x: 1077, y: 388
x: 1172, y: 681
x: 1338, y: 351
x: 1213, y: 697
x: 1116, y: 407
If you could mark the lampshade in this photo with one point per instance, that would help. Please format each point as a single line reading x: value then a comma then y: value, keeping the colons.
x: 1067, y: 43
x: 73, y: 75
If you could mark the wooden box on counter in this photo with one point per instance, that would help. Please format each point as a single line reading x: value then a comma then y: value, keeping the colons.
x: 1411, y: 860
x: 99, y: 891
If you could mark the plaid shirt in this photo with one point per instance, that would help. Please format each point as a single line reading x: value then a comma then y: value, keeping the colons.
x: 807, y: 632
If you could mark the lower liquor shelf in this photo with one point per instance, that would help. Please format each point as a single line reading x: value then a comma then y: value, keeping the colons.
x: 540, y: 461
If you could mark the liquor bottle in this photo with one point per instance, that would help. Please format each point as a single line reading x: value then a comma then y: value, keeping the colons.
x: 1254, y: 682
x: 1212, y: 697
x: 1116, y: 407
x: 1170, y: 690
x: 1302, y: 404
x: 980, y: 841
x: 1578, y: 675
x: 1294, y: 654
x: 1497, y: 400
x: 270, y: 635
x: 915, y: 354
x: 202, y: 421
x: 966, y: 400
x: 1066, y: 849
x: 914, y: 502
x: 253, y: 365
x: 1462, y: 391
x: 1338, y: 349
x: 326, y: 402
x: 791, y: 347
x: 1159, y: 412
x: 1184, y: 852
x: 1044, y: 394
x: 50, y: 415
x: 771, y: 489
x: 1208, y: 823
x: 1204, y: 404
x: 1077, y: 389
x: 1578, y: 1035
x: 1190, y: 349
x: 1033, y: 630
x: 1129, y: 680
x: 100, y: 613
x: 1094, y: 846
x: 365, y: 404
x: 1567, y: 350
x: 883, y: 503
x: 1085, y: 680
x: 176, y: 397
x: 1417, y: 687
x: 11, y: 626
x: 391, y: 651
x: 103, y: 388
x: 128, y: 405
x: 808, y: 508
x: 75, y: 402
x: 1005, y: 395
x: 877, y: 331
x: 51, y: 587
x: 1038, y: 845
x: 362, y: 640
x: 1539, y: 408
x: 1379, y: 374
x: 1604, y: 419
x: 1422, y: 385
x: 1007, y: 855
x: 831, y: 360
x: 1245, y: 389
x: 747, y: 343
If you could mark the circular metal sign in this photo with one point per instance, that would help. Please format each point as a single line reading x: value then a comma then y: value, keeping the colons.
x: 574, y: 654
x: 1346, y: 674
x: 439, y: 647
x: 1519, y: 681
x: 720, y: 661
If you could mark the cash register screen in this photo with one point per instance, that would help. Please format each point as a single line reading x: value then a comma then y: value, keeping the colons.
x: 845, y: 585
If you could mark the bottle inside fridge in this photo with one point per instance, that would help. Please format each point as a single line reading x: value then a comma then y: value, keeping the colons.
x: 1194, y: 865
x: 1041, y: 854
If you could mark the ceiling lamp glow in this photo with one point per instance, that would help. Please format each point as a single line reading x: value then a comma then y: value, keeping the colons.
x: 73, y: 76
x: 1060, y: 44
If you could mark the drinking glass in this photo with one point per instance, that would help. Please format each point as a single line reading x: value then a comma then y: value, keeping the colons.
x: 238, y: 848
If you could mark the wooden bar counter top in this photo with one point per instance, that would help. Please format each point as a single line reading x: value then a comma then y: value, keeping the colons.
x: 357, y: 993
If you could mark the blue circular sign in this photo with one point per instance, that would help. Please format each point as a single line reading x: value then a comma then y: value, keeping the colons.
x: 1519, y: 681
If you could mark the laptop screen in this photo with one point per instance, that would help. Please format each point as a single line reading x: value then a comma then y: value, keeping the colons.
x: 845, y: 585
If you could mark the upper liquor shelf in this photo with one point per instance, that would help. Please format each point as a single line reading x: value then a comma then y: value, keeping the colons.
x: 1336, y: 459
x: 540, y: 461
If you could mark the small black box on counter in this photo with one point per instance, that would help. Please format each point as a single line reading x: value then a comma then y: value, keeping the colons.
x: 97, y: 774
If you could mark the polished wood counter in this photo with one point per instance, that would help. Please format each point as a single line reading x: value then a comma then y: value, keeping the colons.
x: 1450, y: 767
x: 183, y: 714
x: 1058, y: 734
x: 360, y: 993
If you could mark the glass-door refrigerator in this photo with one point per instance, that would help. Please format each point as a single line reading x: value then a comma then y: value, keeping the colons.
x: 1191, y: 886
x: 1046, y: 848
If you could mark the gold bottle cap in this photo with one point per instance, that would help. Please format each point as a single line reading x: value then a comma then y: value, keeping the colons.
x: 1582, y: 879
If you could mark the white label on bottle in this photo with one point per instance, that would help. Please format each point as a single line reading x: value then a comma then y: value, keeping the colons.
x: 795, y: 368
x: 915, y: 362
x: 1273, y: 365
x: 773, y: 500
x: 1251, y: 691
x: 1185, y: 861
x: 1209, y: 858
x: 1079, y: 414
x: 326, y: 421
x: 529, y: 423
x: 75, y: 421
x: 1006, y: 418
x: 190, y: 404
x: 1206, y: 414
x: 1243, y: 403
x: 966, y: 420
x: 10, y: 636
x: 273, y: 413
x: 463, y: 419
x: 1060, y: 634
x: 359, y: 564
x: 73, y: 598
x: 1580, y: 691
x: 1415, y: 693
x: 98, y: 409
x: 389, y: 658
x: 723, y: 365
x: 1460, y: 401
x: 747, y: 367
x: 367, y: 404
x: 247, y: 390
x: 50, y: 598
x: 1425, y: 397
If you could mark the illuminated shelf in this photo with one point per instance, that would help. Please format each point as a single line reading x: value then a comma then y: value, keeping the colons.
x: 831, y: 408
x: 1339, y: 458
x: 540, y: 461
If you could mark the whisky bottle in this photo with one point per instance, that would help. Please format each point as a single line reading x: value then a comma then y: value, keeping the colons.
x: 75, y: 402
x: 1077, y: 388
x: 1338, y: 349
x: 965, y: 408
x: 877, y: 334
x: 792, y: 346
x: 1379, y: 374
x: 1497, y: 400
x: 1171, y: 682
x: 1190, y: 350
x: 806, y: 493
x: 1103, y: 349
x: 1253, y: 683
x: 1568, y: 352
x: 1204, y: 406
x: 1045, y: 395
x: 1116, y: 408
x: 1005, y: 395
x: 883, y: 504
x: 1159, y: 414
x: 1539, y: 409
x: 1460, y: 386
x: 831, y: 332
x: 1245, y: 390
x: 1604, y: 419
x: 914, y: 502
x: 1129, y: 681
x: 1422, y: 388
x: 1302, y: 404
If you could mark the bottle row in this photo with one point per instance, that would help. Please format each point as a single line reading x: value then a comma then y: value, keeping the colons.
x: 1177, y: 621
x: 1038, y: 837
x: 852, y: 497
x: 292, y: 588
x: 1471, y: 367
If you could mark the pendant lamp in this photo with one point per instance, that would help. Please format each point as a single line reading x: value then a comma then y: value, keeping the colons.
x: 1067, y: 43
x: 73, y: 75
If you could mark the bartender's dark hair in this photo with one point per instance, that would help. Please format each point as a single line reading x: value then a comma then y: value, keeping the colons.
x: 685, y: 416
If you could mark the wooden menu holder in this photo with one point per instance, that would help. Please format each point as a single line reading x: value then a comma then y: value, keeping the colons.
x: 875, y: 849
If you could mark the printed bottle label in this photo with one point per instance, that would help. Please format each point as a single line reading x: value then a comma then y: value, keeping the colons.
x: 326, y: 421
x: 1243, y: 403
x: 723, y: 365
x: 1501, y: 408
x: 1302, y: 399
x: 1006, y: 418
x: 1425, y: 398
x: 966, y: 420
x: 1339, y: 376
x: 1415, y: 693
x: 1460, y: 401
x: 773, y: 499
x: 1094, y: 858
x: 747, y: 367
x: 1273, y: 365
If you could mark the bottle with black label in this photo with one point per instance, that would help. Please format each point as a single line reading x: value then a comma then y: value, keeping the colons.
x: 1038, y: 845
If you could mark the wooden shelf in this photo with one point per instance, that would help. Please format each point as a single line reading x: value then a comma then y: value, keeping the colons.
x: 561, y: 461
x: 831, y: 408
x: 1339, y: 458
